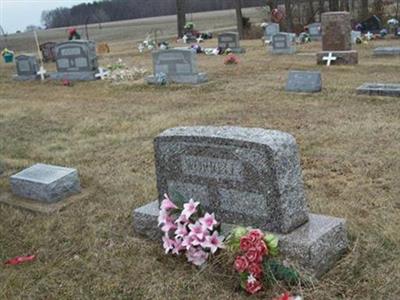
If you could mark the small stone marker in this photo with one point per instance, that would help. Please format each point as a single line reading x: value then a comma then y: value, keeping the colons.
x: 380, y: 89
x: 179, y: 65
x: 304, y: 82
x: 329, y: 59
x: 230, y: 40
x: 250, y: 177
x: 387, y: 51
x: 27, y: 67
x: 354, y: 36
x: 282, y: 43
x: 336, y: 38
x: 314, y: 31
x: 76, y: 60
x: 45, y: 183
x: 271, y: 30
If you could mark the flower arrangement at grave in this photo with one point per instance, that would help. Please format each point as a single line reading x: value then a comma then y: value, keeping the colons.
x: 120, y: 72
x: 189, y: 231
x: 231, y: 59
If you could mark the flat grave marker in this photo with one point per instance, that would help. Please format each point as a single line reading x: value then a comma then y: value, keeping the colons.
x: 304, y: 82
x: 380, y: 89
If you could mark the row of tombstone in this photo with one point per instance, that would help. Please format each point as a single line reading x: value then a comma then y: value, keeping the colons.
x: 246, y: 176
x: 75, y: 60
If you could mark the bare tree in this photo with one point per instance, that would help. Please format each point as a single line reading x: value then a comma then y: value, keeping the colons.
x: 239, y: 18
x: 289, y: 15
x: 181, y: 15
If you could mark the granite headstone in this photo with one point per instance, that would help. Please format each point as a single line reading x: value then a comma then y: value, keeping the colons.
x: 45, y: 183
x: 270, y: 30
x: 314, y: 31
x: 27, y: 67
x: 282, y: 43
x: 380, y: 89
x: 387, y: 51
x: 304, y: 82
x: 230, y: 40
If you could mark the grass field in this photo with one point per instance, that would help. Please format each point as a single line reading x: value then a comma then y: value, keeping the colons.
x: 349, y: 154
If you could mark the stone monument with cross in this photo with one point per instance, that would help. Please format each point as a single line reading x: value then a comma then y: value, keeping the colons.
x: 282, y: 43
x: 248, y: 177
x: 179, y: 66
x: 336, y: 38
x: 27, y: 67
x: 230, y: 40
x: 76, y: 60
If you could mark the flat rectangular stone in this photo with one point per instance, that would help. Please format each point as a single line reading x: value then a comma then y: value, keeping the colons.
x: 315, y: 246
x: 387, y: 51
x: 182, y: 79
x: 248, y: 176
x: 380, y: 89
x: 342, y: 57
x: 304, y: 82
x: 45, y: 183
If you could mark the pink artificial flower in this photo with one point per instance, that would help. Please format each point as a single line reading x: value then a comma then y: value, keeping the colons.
x: 196, y: 256
x: 162, y: 216
x: 198, y: 230
x: 177, y: 247
x: 168, y: 224
x: 181, y: 231
x: 182, y: 219
x: 190, y: 208
x: 168, y: 244
x: 213, y: 242
x: 208, y: 221
x: 167, y: 204
x: 188, y: 241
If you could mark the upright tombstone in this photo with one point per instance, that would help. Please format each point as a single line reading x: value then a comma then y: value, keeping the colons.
x: 48, y: 51
x: 27, y: 67
x: 45, y: 183
x: 179, y: 66
x: 336, y: 38
x: 314, y: 31
x: 76, y: 60
x: 304, y: 82
x: 271, y: 30
x: 246, y: 176
x: 230, y: 40
x: 282, y: 43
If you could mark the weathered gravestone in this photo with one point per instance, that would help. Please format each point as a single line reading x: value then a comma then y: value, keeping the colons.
x: 380, y: 89
x: 282, y: 43
x: 230, y: 40
x: 271, y: 30
x: 387, y: 51
x: 45, y: 183
x: 76, y: 60
x: 314, y: 31
x: 336, y: 38
x: 27, y: 67
x: 179, y: 65
x: 48, y: 51
x: 248, y: 177
x: 304, y: 82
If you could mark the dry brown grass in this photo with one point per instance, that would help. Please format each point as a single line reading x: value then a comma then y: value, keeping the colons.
x: 350, y: 157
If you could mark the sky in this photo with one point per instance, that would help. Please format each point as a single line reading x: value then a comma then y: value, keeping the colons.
x: 17, y: 14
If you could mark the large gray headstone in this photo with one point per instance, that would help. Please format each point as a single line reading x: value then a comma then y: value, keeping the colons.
x: 45, y: 183
x: 27, y: 67
x: 179, y: 65
x: 76, y: 60
x: 245, y: 176
x: 380, y: 89
x: 304, y: 81
x: 271, y: 30
x: 282, y: 43
x: 230, y: 40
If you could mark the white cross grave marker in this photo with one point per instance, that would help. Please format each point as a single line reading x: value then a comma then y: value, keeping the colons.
x: 41, y: 72
x: 369, y: 36
x: 329, y: 58
x: 185, y: 39
x: 102, y: 74
x: 199, y: 40
x: 141, y: 47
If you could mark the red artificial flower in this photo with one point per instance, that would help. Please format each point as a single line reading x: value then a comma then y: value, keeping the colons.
x: 241, y: 264
x: 245, y: 243
x: 253, y: 287
x: 261, y: 247
x: 255, y: 235
x: 20, y: 260
x: 252, y: 255
x: 255, y: 270
x: 285, y: 296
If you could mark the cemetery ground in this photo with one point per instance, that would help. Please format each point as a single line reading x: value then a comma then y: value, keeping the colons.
x: 349, y: 147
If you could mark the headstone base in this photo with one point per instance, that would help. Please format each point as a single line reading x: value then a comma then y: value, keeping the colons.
x: 78, y: 76
x: 291, y: 50
x: 26, y: 78
x: 379, y: 89
x: 387, y: 51
x: 185, y: 79
x: 314, y: 246
x: 45, y: 183
x: 342, y: 57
